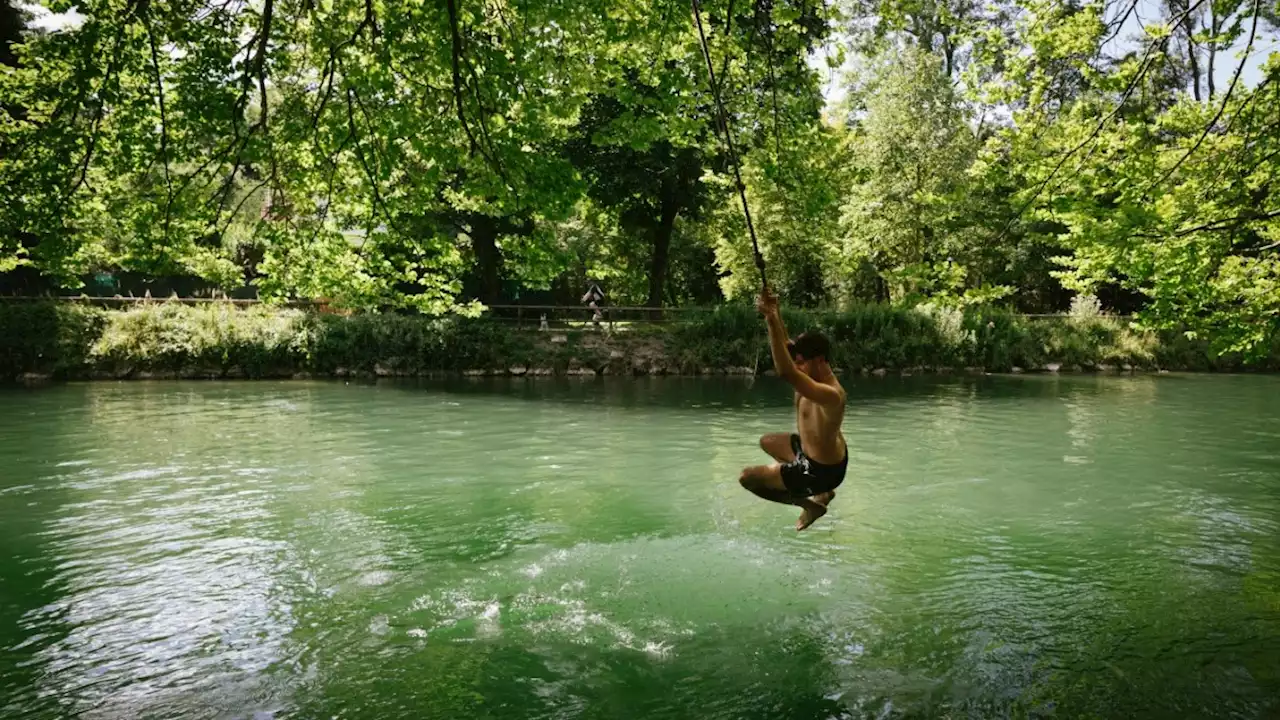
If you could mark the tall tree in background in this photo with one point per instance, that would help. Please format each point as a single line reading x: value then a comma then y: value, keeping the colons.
x: 913, y: 150
x: 12, y: 24
x: 649, y: 176
x: 948, y: 29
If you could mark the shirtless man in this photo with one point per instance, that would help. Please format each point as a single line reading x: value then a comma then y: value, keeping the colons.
x: 811, y: 464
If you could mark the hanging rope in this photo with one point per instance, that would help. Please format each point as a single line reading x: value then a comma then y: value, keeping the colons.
x: 722, y: 122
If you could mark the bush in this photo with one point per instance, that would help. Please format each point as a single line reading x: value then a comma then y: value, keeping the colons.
x: 47, y: 338
x: 728, y: 336
x: 207, y: 339
x: 221, y: 340
x: 867, y: 337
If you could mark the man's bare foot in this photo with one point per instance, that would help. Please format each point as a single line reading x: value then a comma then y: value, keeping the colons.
x: 811, y: 513
x: 824, y: 499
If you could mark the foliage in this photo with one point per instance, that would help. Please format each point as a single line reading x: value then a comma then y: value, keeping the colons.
x: 47, y: 338
x: 1085, y: 306
x: 215, y: 338
x: 912, y: 150
x: 1153, y: 189
x: 218, y: 340
x: 877, y: 336
x: 412, y: 344
x: 408, y: 156
x: 795, y: 193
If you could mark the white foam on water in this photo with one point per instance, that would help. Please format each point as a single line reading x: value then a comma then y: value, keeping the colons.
x: 660, y: 650
x: 375, y: 578
x: 487, y: 624
x: 644, y: 594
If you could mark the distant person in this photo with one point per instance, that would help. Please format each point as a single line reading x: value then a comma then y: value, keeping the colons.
x: 811, y: 463
x: 592, y: 299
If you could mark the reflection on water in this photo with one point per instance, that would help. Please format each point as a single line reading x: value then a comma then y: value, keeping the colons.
x: 1024, y: 546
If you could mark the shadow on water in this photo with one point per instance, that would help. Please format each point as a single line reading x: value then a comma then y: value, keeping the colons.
x: 745, y: 392
x: 42, y: 446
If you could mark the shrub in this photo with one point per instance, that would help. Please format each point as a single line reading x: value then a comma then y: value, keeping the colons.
x: 47, y: 338
x: 219, y: 339
x: 206, y: 339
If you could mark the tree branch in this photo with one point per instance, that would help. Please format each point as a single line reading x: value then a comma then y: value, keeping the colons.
x: 457, y: 72
x: 486, y: 149
x: 373, y: 182
x: 331, y: 64
x: 1221, y: 109
x: 1223, y: 164
x: 164, y: 126
x: 232, y: 216
x: 1120, y: 25
x: 328, y: 198
x: 728, y: 30
x: 1218, y: 225
x: 1144, y: 67
x: 773, y: 84
x: 260, y: 61
x: 101, y: 110
x: 254, y: 67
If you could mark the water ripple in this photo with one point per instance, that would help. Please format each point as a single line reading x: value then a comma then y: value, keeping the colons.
x: 577, y: 548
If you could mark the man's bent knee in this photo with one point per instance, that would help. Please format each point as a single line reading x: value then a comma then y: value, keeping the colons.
x: 750, y: 479
x: 770, y: 441
x: 778, y: 446
x: 754, y: 478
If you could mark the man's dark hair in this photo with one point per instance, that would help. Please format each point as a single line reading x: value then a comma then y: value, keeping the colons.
x: 811, y: 345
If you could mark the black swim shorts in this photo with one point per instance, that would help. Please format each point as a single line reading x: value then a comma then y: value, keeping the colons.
x: 805, y: 477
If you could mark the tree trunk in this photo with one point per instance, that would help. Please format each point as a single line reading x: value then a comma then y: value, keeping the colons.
x: 1214, y: 29
x: 484, y: 243
x: 11, y: 26
x: 661, y: 250
x: 1189, y: 24
x: 882, y: 289
x: 949, y: 54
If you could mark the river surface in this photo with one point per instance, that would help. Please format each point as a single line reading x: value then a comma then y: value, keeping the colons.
x: 1004, y: 546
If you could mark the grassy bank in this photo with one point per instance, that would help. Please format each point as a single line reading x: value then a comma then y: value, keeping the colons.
x: 883, y: 337
x: 214, y: 341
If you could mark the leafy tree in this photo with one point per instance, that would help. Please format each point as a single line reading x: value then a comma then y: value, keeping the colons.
x: 952, y: 30
x: 795, y: 200
x: 649, y: 182
x: 913, y: 149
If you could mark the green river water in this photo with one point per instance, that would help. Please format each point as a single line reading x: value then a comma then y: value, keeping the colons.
x: 1003, y: 547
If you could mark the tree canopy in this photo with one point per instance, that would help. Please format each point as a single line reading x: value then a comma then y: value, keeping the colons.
x: 431, y: 155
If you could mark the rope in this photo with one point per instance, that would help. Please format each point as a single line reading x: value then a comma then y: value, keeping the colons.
x: 723, y: 123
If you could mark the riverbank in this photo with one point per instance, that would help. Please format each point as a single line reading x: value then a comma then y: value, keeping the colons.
x: 41, y: 341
